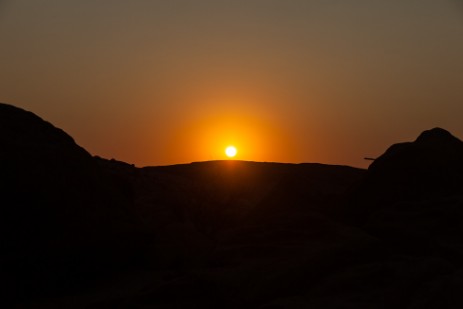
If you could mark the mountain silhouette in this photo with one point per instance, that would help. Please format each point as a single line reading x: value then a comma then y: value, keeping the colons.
x: 85, y: 232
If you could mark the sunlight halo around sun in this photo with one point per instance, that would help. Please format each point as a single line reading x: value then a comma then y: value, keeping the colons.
x: 230, y: 151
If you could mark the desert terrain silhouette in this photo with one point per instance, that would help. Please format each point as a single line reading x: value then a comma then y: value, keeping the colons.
x: 81, y: 231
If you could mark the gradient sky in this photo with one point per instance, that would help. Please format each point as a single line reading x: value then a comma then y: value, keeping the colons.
x: 174, y: 81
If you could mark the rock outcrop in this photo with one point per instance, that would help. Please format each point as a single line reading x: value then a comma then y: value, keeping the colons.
x: 61, y: 215
x: 431, y: 166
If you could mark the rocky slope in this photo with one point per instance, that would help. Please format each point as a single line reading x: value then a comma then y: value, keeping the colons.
x: 61, y: 215
x: 84, y: 232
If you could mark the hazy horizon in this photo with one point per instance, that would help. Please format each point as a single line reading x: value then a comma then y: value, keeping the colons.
x: 168, y: 82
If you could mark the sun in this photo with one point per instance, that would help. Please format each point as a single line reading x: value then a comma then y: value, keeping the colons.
x: 230, y: 151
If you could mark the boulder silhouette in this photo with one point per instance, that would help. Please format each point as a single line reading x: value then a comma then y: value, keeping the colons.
x: 62, y: 217
x: 412, y: 196
x: 431, y: 166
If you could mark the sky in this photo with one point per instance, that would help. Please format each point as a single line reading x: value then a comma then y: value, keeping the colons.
x: 176, y: 81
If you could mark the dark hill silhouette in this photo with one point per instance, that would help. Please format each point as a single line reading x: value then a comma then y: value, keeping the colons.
x: 84, y: 232
x: 430, y: 166
x: 61, y: 214
x: 412, y: 195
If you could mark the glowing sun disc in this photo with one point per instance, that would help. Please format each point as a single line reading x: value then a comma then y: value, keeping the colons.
x: 230, y: 151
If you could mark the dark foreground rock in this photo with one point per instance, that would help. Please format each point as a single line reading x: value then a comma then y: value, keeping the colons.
x: 83, y: 232
x: 431, y: 166
x: 63, y: 219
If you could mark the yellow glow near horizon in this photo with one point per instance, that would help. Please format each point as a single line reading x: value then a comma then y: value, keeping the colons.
x: 230, y: 151
x: 255, y: 133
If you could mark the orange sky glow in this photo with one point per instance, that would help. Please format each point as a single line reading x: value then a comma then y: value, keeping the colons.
x: 167, y: 82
